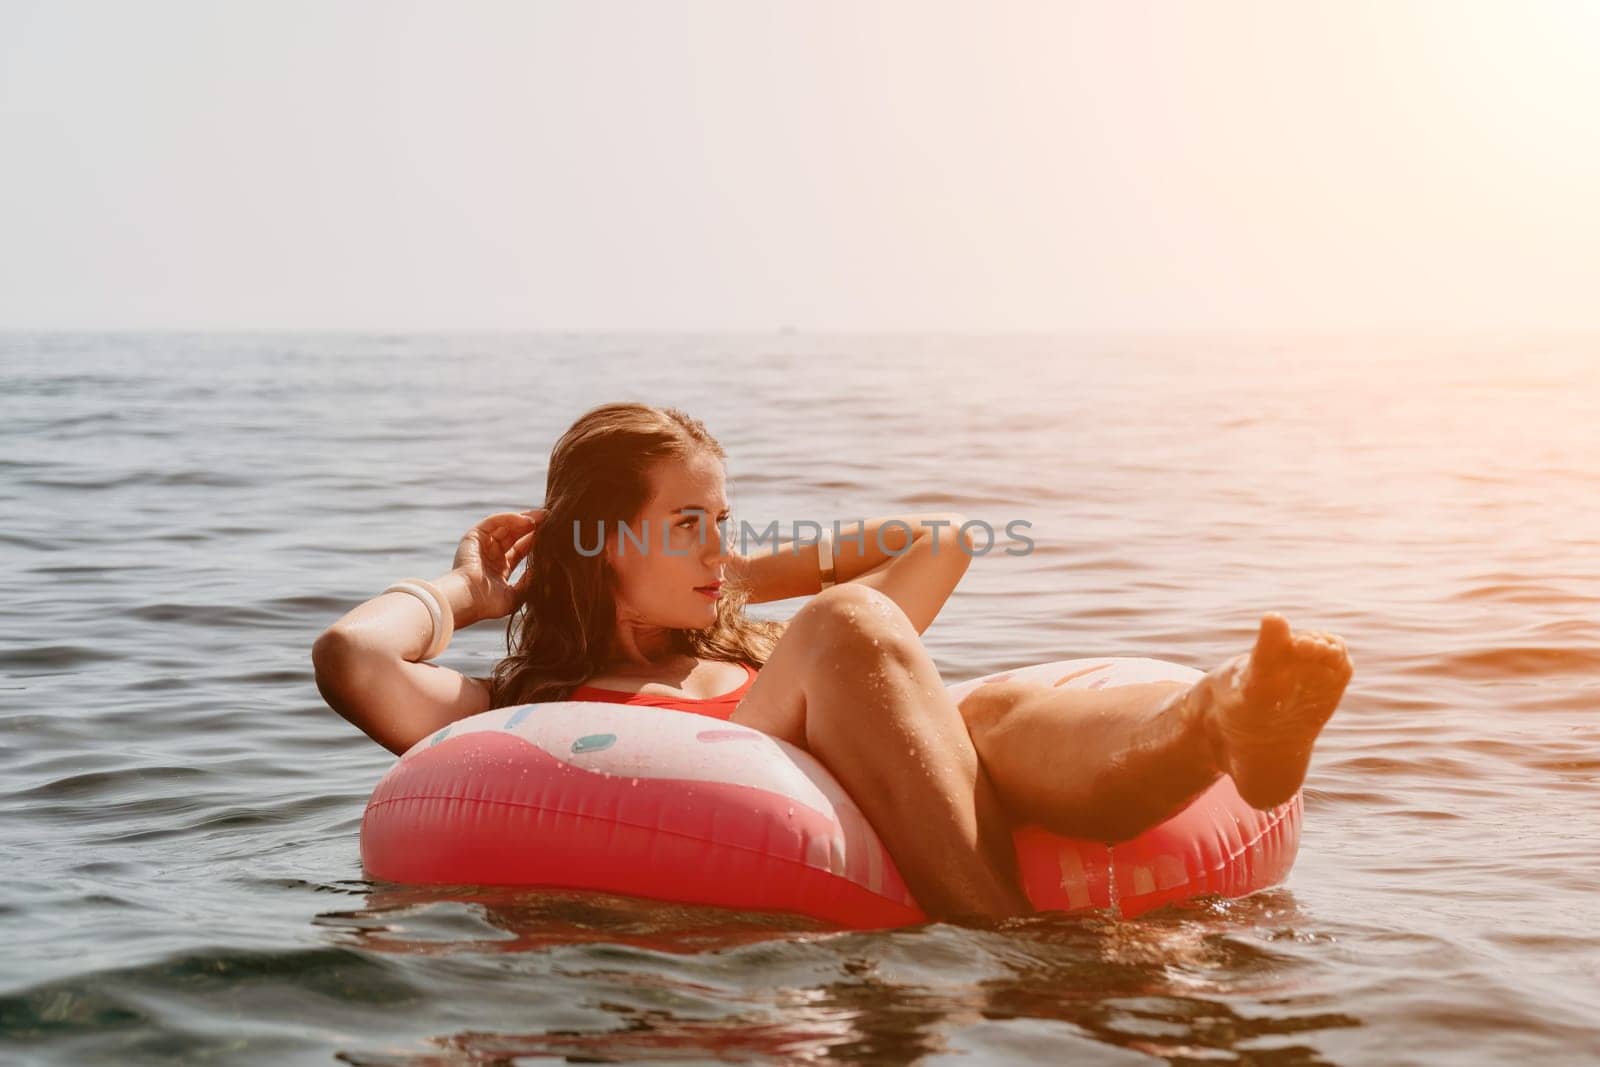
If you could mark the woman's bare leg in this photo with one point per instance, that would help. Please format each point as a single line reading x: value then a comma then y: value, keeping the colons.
x: 1109, y: 763
x: 851, y: 683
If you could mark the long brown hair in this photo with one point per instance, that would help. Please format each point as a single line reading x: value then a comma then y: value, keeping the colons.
x: 561, y: 633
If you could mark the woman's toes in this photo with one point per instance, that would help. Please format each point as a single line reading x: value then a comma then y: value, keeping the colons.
x: 1273, y: 640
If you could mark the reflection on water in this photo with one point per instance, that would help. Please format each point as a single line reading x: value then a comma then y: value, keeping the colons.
x: 434, y: 919
x: 179, y: 811
x: 773, y: 988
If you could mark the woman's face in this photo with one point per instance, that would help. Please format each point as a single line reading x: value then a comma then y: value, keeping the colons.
x: 674, y: 548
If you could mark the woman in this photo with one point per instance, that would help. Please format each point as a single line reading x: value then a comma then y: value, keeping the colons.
x: 654, y: 613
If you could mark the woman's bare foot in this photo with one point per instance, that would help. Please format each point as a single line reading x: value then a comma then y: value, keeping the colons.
x: 1263, y: 710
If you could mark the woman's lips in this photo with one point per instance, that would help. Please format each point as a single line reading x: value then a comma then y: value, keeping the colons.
x: 713, y: 591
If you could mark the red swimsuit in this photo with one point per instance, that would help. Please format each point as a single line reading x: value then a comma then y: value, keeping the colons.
x: 718, y: 707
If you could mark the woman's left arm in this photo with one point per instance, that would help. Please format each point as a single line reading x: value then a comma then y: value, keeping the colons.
x: 915, y: 560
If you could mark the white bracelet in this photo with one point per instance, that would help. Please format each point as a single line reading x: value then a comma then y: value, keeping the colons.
x: 825, y: 558
x: 439, y: 640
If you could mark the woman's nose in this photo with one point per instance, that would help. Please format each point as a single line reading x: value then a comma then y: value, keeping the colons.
x: 716, y: 545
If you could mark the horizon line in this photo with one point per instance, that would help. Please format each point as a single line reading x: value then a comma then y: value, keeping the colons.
x: 788, y: 331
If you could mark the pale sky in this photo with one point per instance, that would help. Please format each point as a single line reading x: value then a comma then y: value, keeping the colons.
x: 749, y: 165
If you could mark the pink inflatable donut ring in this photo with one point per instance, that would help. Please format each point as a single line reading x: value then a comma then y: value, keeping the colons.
x: 680, y: 807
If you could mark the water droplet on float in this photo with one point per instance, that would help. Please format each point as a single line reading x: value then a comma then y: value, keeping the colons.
x: 636, y: 781
x: 791, y: 809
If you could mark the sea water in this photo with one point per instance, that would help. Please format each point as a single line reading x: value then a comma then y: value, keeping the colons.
x: 183, y: 514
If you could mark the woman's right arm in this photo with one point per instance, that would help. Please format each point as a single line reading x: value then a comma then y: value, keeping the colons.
x: 366, y: 663
x: 916, y: 562
x: 366, y: 667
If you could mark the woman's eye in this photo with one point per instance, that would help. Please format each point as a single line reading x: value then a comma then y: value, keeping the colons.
x: 695, y: 521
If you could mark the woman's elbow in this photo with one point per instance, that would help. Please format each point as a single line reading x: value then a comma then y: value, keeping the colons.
x: 329, y: 652
x: 952, y: 539
x: 333, y: 667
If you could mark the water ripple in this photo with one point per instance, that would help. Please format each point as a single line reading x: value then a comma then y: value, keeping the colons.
x: 186, y: 512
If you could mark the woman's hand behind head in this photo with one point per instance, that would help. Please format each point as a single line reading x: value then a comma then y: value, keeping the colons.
x: 488, y: 555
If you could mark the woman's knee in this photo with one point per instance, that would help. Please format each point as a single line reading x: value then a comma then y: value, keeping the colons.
x: 856, y: 617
